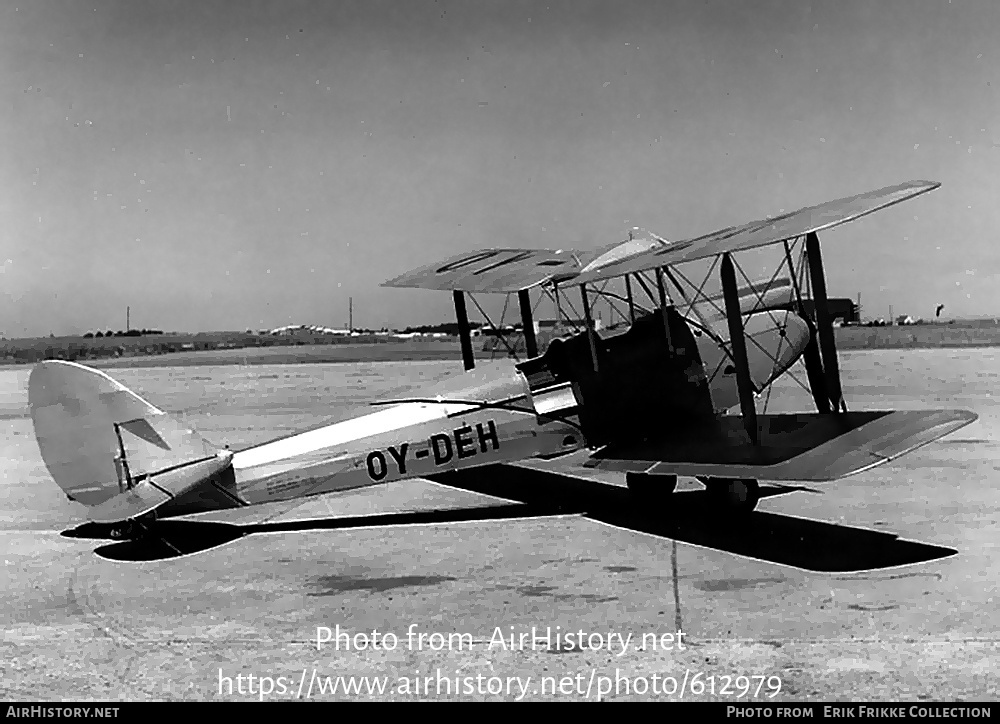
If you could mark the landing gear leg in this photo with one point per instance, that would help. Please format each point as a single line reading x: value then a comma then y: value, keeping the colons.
x: 737, y: 495
x: 651, y: 489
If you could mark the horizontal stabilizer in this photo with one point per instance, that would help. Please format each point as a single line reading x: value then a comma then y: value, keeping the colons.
x: 130, y: 504
x: 155, y: 490
x: 794, y: 447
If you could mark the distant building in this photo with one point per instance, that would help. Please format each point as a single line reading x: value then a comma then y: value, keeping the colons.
x: 553, y: 325
x: 487, y: 331
x: 308, y: 329
x: 843, y: 310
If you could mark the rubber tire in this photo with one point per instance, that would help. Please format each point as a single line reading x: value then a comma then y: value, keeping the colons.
x: 737, y: 495
x: 122, y: 531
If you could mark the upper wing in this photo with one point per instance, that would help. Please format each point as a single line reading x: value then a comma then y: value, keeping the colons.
x: 756, y: 233
x: 497, y: 270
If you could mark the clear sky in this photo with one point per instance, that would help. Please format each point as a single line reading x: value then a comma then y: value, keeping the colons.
x: 223, y: 165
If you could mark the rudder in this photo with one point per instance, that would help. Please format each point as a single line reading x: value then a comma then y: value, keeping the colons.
x: 82, y: 418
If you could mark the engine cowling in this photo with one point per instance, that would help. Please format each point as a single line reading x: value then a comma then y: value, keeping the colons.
x: 774, y: 340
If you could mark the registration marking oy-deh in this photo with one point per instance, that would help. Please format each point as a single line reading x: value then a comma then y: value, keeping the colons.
x: 462, y: 443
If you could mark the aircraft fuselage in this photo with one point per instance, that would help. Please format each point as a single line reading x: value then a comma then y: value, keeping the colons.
x: 415, y: 439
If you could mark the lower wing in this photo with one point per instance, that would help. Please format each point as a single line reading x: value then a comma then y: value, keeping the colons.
x: 799, y: 447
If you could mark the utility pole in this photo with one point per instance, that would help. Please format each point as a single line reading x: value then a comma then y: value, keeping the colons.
x: 858, y: 310
x: 128, y: 310
x: 350, y: 313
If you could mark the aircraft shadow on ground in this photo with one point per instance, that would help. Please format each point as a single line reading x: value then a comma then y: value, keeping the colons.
x: 693, y: 517
x: 688, y: 517
x: 174, y: 538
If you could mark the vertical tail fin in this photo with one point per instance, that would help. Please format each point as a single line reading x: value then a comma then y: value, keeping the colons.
x: 97, y: 437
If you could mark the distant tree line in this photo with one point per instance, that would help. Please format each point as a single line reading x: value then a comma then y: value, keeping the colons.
x: 445, y: 327
x: 119, y: 333
x: 105, y: 344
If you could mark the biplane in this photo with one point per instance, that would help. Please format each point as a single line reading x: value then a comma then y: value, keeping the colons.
x: 672, y: 389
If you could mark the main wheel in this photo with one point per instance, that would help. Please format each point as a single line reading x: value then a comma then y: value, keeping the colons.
x: 133, y: 528
x: 651, y: 489
x: 123, y: 531
x: 739, y: 495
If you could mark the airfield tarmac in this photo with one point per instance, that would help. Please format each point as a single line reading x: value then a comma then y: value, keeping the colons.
x: 78, y: 627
